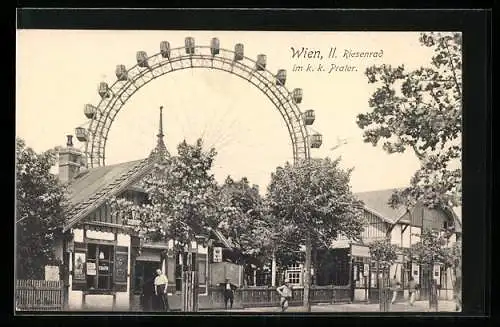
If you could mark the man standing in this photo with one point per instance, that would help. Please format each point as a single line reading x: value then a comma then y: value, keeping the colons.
x: 285, y: 291
x: 161, y: 283
x: 228, y: 293
x: 394, y: 285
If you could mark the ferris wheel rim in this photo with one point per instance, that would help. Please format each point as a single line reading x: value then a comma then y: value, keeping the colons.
x: 106, y: 107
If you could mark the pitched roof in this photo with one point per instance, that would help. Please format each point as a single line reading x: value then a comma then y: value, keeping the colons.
x: 94, y: 180
x: 93, y: 187
x: 377, y: 202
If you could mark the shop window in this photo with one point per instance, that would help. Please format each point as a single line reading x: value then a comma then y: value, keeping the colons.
x: 294, y: 274
x: 99, y: 266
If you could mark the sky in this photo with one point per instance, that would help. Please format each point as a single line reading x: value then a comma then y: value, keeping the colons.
x: 58, y: 72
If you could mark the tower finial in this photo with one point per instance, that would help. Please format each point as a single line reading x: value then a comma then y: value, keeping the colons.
x: 161, y: 148
x: 160, y: 134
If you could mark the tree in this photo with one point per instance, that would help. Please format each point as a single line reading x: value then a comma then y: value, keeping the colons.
x: 432, y: 249
x: 182, y: 194
x: 384, y: 254
x: 314, y: 198
x: 241, y: 210
x: 40, y: 203
x: 421, y: 110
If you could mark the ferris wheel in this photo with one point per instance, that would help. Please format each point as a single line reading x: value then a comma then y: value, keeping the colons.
x: 100, y: 117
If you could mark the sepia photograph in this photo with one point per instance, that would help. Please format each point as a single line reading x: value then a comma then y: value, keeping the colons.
x: 238, y: 171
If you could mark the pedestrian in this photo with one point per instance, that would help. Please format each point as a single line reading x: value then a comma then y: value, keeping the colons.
x: 394, y: 284
x: 285, y: 291
x: 412, y: 290
x: 228, y: 289
x: 148, y: 291
x: 160, y: 285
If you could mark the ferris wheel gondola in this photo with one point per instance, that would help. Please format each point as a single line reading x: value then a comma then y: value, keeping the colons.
x: 114, y: 96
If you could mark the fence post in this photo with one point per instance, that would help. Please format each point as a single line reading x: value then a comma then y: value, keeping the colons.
x: 433, y: 294
x: 384, y: 301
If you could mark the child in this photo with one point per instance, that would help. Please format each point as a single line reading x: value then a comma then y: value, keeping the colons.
x: 286, y: 294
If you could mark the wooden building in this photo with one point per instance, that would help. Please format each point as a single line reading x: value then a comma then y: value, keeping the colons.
x: 348, y: 264
x: 105, y: 260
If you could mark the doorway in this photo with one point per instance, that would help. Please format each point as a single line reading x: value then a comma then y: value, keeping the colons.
x: 144, y: 270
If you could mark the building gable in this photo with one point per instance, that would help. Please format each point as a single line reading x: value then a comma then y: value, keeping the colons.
x: 91, y: 190
x: 376, y: 203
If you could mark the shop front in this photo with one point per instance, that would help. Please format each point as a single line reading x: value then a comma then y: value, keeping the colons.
x: 99, y: 266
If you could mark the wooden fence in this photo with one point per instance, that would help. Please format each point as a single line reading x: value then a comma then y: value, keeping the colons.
x: 39, y: 295
x: 254, y: 297
x: 260, y: 296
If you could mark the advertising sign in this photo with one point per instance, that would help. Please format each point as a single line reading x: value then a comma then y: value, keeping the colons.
x: 91, y: 271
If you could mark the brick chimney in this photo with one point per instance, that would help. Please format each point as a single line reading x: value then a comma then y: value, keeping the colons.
x: 69, y: 161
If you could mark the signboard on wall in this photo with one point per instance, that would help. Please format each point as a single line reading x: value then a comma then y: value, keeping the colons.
x: 51, y: 273
x: 436, y: 274
x: 360, y: 251
x: 121, y: 264
x: 78, y: 270
x: 217, y: 254
x: 91, y: 271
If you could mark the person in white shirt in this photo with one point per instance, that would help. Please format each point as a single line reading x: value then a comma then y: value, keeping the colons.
x: 286, y: 295
x: 161, y: 283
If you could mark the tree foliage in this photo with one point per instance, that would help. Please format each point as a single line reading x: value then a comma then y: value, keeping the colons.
x: 432, y: 248
x: 183, y: 197
x: 40, y: 203
x: 241, y: 209
x: 383, y: 252
x: 421, y: 110
x: 315, y: 196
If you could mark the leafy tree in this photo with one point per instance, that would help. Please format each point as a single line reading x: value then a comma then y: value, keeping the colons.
x: 241, y: 210
x: 246, y: 219
x: 421, y: 110
x: 384, y: 253
x: 314, y: 198
x: 433, y: 248
x: 182, y: 194
x: 40, y: 203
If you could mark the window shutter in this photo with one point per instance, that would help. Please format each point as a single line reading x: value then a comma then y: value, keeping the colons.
x: 79, y: 273
x: 120, y: 274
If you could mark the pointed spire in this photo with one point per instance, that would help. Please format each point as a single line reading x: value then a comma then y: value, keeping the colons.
x: 160, y: 134
x: 160, y: 149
